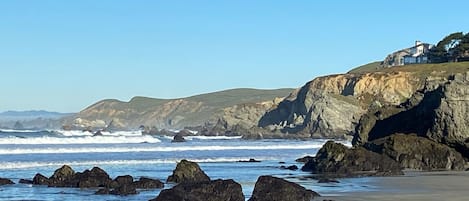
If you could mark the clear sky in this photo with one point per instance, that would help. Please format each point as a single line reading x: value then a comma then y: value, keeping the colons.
x: 65, y: 55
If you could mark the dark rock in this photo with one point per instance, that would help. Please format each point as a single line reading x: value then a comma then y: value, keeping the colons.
x: 123, y: 180
x: 147, y: 183
x: 103, y: 191
x: 98, y: 133
x: 339, y: 161
x: 123, y: 190
x: 62, y: 177
x: 270, y: 188
x: 304, y: 159
x: 25, y: 181
x: 187, y: 171
x: 178, y: 138
x: 217, y: 190
x: 281, y: 162
x: 96, y: 177
x: 291, y: 167
x: 4, y: 181
x: 418, y: 153
x: 40, y: 179
x: 327, y: 180
x: 251, y: 160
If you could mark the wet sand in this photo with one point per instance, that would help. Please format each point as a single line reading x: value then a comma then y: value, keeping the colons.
x: 452, y: 186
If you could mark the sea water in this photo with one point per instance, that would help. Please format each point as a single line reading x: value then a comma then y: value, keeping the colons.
x: 25, y: 153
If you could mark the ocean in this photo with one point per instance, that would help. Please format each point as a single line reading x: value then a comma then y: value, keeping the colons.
x: 25, y: 153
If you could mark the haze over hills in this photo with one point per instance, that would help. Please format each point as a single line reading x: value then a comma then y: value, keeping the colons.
x: 32, y: 119
x: 169, y: 113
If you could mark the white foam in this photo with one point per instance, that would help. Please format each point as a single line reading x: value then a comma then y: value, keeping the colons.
x: 152, y: 149
x: 79, y: 140
x: 17, y: 131
x: 24, y: 165
x: 72, y: 133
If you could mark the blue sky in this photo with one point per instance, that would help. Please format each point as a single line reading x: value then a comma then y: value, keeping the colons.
x: 65, y: 55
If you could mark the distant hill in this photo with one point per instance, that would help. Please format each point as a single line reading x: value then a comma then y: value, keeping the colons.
x: 31, y: 114
x: 370, y: 67
x: 169, y: 113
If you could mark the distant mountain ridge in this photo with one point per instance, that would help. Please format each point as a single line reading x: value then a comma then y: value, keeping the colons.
x: 31, y: 114
x: 168, y: 113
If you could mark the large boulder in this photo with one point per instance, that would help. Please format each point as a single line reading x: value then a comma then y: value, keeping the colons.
x: 62, y: 177
x: 337, y: 160
x: 270, y: 188
x: 147, y: 183
x: 178, y: 138
x: 40, y: 179
x: 418, y: 153
x: 187, y: 171
x: 96, y: 177
x: 217, y: 190
x: 4, y: 181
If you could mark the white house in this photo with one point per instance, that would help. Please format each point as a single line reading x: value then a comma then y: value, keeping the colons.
x: 413, y: 55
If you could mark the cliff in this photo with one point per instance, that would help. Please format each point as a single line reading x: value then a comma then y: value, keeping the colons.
x: 332, y: 106
x: 169, y: 113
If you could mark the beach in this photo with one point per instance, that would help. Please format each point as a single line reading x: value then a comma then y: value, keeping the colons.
x: 447, y: 185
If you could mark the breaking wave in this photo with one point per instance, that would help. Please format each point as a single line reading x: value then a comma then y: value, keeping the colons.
x: 79, y: 140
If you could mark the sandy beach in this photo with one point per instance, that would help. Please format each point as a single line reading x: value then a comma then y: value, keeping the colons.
x: 413, y: 186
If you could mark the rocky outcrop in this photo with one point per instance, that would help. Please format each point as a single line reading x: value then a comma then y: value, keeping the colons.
x: 337, y: 160
x: 270, y: 188
x: 332, y: 106
x: 418, y: 153
x: 188, y: 172
x: 438, y: 112
x: 4, y: 181
x: 96, y: 178
x: 217, y: 190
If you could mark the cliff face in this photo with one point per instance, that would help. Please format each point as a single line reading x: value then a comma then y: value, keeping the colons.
x: 331, y: 106
x: 437, y: 112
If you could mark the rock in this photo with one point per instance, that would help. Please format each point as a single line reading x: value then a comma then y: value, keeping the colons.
x: 98, y: 133
x: 304, y: 159
x: 270, y: 188
x: 251, y: 160
x: 62, y: 177
x: 147, y: 183
x: 187, y: 171
x: 217, y: 190
x: 40, y: 179
x: 178, y: 138
x: 25, y: 181
x: 4, y: 181
x: 438, y: 112
x: 122, y: 180
x: 291, y: 167
x: 327, y: 180
x: 339, y: 161
x: 418, y: 153
x: 103, y: 191
x: 96, y: 177
x: 123, y: 190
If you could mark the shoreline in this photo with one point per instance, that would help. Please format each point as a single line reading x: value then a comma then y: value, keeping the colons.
x: 440, y: 185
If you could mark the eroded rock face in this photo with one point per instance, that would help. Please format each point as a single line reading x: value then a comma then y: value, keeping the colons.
x: 217, y: 190
x: 337, y: 160
x: 438, y: 112
x: 270, y: 188
x: 188, y: 172
x: 418, y: 153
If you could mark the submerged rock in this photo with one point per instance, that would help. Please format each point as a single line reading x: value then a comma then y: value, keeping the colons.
x: 187, y: 171
x: 217, y: 190
x: 418, y: 153
x: 291, y: 167
x: 4, y: 181
x: 340, y: 161
x: 270, y: 188
x: 25, y: 181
